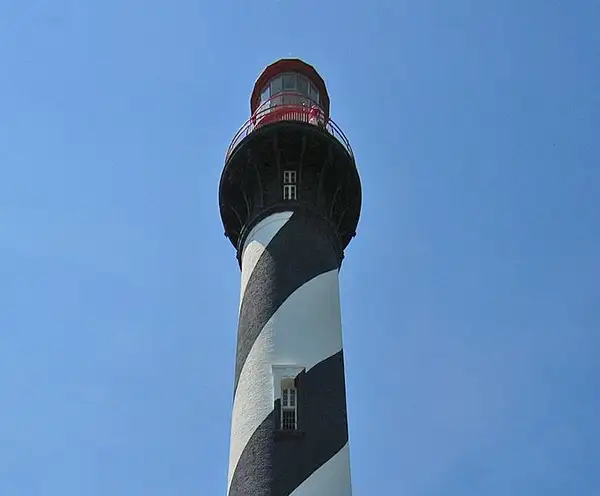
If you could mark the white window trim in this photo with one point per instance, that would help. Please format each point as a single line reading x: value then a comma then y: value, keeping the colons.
x: 281, y: 372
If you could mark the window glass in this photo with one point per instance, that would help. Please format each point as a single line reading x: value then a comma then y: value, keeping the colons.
x: 289, y: 176
x: 314, y: 94
x: 276, y: 86
x: 302, y: 85
x: 289, y: 193
x: 288, y: 399
x: 289, y: 82
x: 264, y: 96
x: 288, y: 420
x: 292, y: 99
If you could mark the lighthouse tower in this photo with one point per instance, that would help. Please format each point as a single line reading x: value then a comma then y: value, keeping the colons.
x: 290, y: 200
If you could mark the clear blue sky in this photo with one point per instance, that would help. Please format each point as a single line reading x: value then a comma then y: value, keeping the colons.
x: 470, y: 296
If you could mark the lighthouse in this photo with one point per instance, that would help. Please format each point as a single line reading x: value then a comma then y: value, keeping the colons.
x: 290, y: 199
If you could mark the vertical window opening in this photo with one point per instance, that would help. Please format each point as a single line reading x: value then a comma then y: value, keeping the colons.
x: 289, y: 192
x: 289, y: 177
x: 289, y: 184
x: 289, y: 405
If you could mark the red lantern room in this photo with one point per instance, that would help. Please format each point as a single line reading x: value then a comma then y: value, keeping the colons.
x: 290, y: 155
x: 290, y: 82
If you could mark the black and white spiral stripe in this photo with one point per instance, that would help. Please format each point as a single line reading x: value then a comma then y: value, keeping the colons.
x: 289, y: 316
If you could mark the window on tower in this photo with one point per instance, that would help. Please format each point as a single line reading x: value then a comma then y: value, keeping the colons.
x: 289, y: 177
x: 287, y: 389
x: 289, y: 185
x: 289, y: 192
x: 289, y: 405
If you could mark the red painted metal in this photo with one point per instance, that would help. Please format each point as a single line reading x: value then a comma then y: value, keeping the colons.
x: 266, y: 114
x: 289, y: 65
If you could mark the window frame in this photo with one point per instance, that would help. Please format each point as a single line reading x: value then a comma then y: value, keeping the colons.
x: 313, y: 93
x: 290, y: 192
x: 288, y: 392
x: 286, y: 376
x: 289, y: 76
x: 276, y: 100
x: 290, y: 176
x: 302, y: 77
x: 265, y: 94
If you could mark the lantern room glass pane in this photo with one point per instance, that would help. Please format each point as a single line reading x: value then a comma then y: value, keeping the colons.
x: 276, y: 86
x: 292, y: 99
x: 289, y: 82
x: 264, y: 96
x: 314, y: 94
x: 294, y: 85
x: 302, y: 85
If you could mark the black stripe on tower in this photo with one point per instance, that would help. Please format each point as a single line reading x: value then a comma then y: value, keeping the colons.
x: 300, y: 251
x: 275, y: 465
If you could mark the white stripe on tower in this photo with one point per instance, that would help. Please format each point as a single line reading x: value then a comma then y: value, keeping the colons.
x: 257, y: 241
x: 289, y: 316
x: 334, y: 475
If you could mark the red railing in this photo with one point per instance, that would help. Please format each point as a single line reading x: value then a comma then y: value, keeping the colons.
x: 288, y: 106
